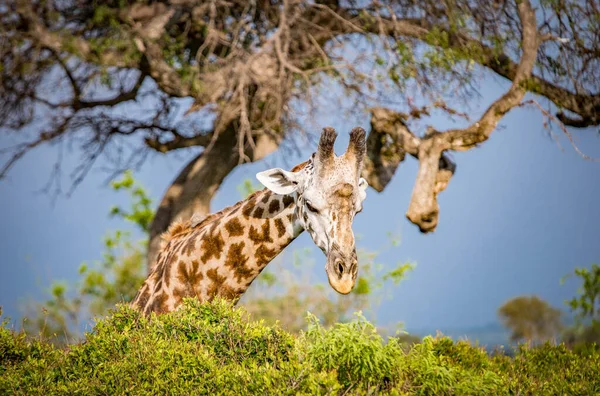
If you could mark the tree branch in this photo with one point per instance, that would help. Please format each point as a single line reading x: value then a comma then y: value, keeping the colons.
x: 435, y: 168
x: 464, y: 139
x: 178, y: 142
x: 423, y: 209
x: 586, y: 106
x: 68, y: 43
x: 387, y: 144
x: 23, y: 148
x: 120, y: 98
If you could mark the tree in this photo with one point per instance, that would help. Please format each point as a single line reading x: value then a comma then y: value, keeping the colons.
x: 105, y: 74
x: 530, y: 318
x: 586, y: 306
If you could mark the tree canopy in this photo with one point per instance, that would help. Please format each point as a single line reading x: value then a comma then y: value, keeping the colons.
x: 121, y: 79
x: 530, y: 318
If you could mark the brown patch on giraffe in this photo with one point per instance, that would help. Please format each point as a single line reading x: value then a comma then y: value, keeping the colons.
x: 212, y: 245
x: 227, y: 292
x: 334, y: 216
x: 179, y: 293
x: 288, y: 200
x: 236, y: 260
x: 186, y: 275
x: 195, y: 273
x: 261, y: 236
x: 235, y: 209
x: 142, y: 297
x: 258, y: 212
x: 345, y: 191
x: 175, y: 246
x: 274, y: 206
x: 250, y: 203
x: 265, y: 198
x: 154, y: 275
x: 160, y: 256
x: 290, y: 218
x: 280, y: 228
x: 160, y: 268
x: 264, y: 255
x: 157, y: 286
x: 161, y: 265
x: 167, y: 277
x: 216, y: 282
x: 158, y: 303
x: 188, y: 279
x: 190, y: 244
x: 234, y: 227
x: 249, y: 208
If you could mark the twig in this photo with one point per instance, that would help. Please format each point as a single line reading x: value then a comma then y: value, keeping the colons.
x: 562, y: 127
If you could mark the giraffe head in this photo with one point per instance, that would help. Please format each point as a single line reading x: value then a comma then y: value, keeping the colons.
x: 328, y: 192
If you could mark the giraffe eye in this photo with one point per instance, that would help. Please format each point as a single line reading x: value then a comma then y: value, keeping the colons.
x: 311, y: 208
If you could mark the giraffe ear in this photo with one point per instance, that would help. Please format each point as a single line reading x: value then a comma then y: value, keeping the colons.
x: 279, y: 181
x: 362, y: 188
x: 363, y: 184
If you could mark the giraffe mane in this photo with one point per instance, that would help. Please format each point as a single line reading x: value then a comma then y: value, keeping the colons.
x: 177, y: 228
x: 299, y: 167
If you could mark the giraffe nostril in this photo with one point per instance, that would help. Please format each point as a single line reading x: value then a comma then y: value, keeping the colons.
x: 340, y: 267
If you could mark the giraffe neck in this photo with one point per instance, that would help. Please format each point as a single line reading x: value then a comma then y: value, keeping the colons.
x: 222, y: 254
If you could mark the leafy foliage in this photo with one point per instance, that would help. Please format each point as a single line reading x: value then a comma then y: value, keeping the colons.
x: 585, y: 333
x: 214, y: 348
x: 587, y: 304
x: 141, y: 212
x: 354, y: 350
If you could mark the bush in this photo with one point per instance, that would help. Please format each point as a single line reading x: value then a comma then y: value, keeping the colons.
x: 216, y: 349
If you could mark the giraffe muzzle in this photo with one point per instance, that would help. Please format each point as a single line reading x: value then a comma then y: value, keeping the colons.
x: 341, y: 273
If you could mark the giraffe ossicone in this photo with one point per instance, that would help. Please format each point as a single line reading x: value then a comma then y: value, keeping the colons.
x: 222, y: 253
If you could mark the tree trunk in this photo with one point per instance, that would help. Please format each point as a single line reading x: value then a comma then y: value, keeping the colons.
x: 193, y: 189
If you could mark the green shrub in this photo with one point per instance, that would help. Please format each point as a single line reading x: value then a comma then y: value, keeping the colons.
x: 355, y: 351
x: 216, y: 349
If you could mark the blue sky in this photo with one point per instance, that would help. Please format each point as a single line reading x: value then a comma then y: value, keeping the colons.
x: 519, y: 214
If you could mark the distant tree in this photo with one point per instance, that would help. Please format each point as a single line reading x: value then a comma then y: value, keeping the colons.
x: 530, y: 318
x: 236, y: 79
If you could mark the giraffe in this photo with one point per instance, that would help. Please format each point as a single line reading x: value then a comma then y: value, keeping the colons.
x: 222, y: 253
